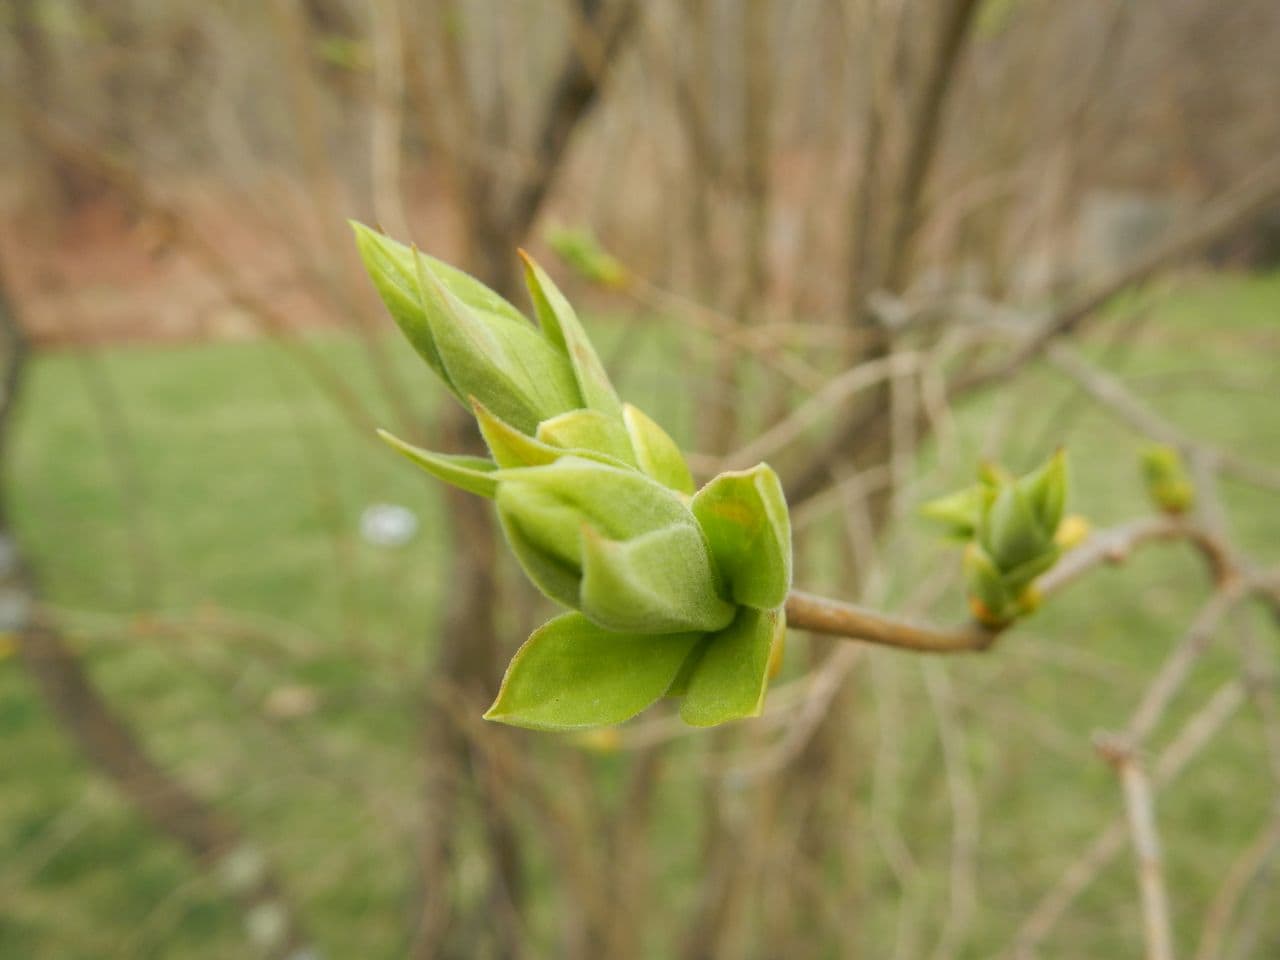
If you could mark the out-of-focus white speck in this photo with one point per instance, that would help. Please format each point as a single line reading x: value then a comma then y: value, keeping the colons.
x: 388, y: 524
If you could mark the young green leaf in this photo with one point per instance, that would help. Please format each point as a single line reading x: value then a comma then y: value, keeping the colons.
x: 572, y: 674
x: 588, y: 430
x: 544, y: 511
x: 510, y: 447
x: 563, y: 329
x: 744, y: 516
x: 473, y: 474
x: 728, y: 681
x: 503, y: 363
x: 959, y: 512
x: 660, y: 582
x: 392, y: 267
x: 655, y: 451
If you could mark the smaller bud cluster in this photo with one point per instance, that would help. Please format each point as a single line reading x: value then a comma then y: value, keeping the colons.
x: 1168, y: 484
x: 1013, y: 529
x: 674, y: 591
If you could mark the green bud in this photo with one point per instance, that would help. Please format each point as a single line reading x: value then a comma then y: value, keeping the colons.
x: 477, y: 343
x: 1010, y: 533
x: 655, y: 451
x: 549, y: 513
x: 1046, y: 491
x: 1020, y: 577
x: 1168, y: 483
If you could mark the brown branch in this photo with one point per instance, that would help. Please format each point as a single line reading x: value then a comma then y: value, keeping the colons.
x: 806, y: 611
x: 923, y: 147
x: 573, y: 93
x: 1140, y: 808
x: 1195, y: 734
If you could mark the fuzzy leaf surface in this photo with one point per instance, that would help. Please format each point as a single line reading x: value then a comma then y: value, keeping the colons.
x: 661, y: 582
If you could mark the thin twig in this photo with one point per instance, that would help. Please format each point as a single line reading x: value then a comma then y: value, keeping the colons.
x: 1140, y: 809
x: 1246, y: 868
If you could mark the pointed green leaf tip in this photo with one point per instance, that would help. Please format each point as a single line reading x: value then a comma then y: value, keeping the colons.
x: 477, y: 343
x: 473, y: 474
x: 744, y: 516
x: 561, y: 325
x: 572, y: 674
x: 655, y: 451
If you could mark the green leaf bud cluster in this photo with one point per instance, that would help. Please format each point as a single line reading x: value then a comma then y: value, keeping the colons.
x: 1010, y: 528
x: 671, y: 590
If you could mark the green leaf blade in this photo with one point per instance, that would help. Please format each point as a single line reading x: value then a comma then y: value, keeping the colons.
x: 571, y: 674
x: 730, y: 678
x: 655, y: 452
x: 745, y: 519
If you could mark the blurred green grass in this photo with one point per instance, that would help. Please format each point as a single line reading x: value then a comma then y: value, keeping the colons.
x: 208, y: 554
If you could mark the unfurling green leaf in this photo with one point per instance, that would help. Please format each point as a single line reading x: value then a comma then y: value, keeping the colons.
x: 744, y: 515
x: 655, y: 451
x: 959, y: 512
x: 572, y: 674
x: 588, y: 430
x: 545, y: 511
x: 655, y: 583
x: 473, y: 474
x: 510, y: 447
x: 505, y: 364
x: 729, y: 678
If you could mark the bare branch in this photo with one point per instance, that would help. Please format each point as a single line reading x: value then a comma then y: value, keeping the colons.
x: 1157, y: 930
